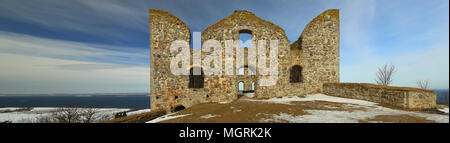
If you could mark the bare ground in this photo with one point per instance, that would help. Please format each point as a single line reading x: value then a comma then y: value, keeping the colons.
x: 246, y: 110
x: 397, y: 119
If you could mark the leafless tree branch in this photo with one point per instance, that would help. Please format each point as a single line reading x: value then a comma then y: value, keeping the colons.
x: 384, y: 75
x: 423, y: 84
x: 73, y: 115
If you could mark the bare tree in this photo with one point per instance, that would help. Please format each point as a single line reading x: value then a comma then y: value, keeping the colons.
x: 385, y: 74
x: 423, y: 84
x: 88, y: 115
x: 103, y: 117
x: 73, y: 115
x: 41, y: 119
x: 67, y: 115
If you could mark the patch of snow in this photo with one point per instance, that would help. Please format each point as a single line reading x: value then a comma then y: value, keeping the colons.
x: 318, y: 116
x: 330, y: 107
x: 316, y: 97
x: 234, y: 109
x: 138, y: 111
x: 250, y: 95
x: 167, y: 117
x: 209, y: 116
x: 224, y: 102
x: 324, y: 116
x: 445, y: 110
x: 9, y: 108
x: 110, y: 111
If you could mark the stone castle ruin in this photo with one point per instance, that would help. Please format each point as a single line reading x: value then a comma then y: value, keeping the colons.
x: 304, y: 66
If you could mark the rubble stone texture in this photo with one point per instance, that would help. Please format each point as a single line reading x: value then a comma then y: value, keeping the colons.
x: 316, y: 51
x: 403, y: 97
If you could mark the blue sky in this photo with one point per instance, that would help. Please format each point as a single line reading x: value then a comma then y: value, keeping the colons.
x: 98, y: 46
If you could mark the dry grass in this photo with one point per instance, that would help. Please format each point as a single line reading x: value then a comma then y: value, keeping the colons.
x: 441, y: 106
x: 245, y: 111
x: 138, y: 118
x: 235, y: 112
x: 397, y: 119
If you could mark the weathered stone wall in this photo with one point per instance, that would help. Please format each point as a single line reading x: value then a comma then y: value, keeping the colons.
x: 404, y: 97
x: 317, y: 52
x: 166, y: 90
x: 228, y: 29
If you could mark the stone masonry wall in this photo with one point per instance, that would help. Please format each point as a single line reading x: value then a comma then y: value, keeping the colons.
x: 166, y: 89
x: 317, y: 52
x: 228, y: 29
x: 404, y: 97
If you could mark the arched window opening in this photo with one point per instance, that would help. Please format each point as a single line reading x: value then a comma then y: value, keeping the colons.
x: 241, y: 86
x: 245, y: 37
x: 296, y: 74
x: 253, y: 86
x: 196, y: 81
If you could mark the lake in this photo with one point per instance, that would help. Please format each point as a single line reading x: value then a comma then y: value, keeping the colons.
x: 97, y: 101
x: 133, y: 101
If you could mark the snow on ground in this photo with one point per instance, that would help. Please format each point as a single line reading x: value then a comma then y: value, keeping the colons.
x: 445, y: 110
x: 167, y: 117
x: 324, y: 116
x: 28, y: 116
x: 250, y: 95
x: 315, y: 97
x: 110, y: 111
x: 224, y: 102
x: 138, y: 111
x: 9, y: 109
x: 207, y: 116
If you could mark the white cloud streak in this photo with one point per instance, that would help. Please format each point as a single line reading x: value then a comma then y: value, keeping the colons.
x: 43, y: 47
x: 38, y: 65
x: 410, y: 34
x: 100, y: 18
x: 31, y: 74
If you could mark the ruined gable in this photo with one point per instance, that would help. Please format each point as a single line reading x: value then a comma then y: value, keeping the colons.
x: 317, y: 52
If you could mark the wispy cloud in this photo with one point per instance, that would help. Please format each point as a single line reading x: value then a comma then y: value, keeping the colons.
x: 31, y: 74
x: 39, y: 65
x: 43, y: 47
x: 101, y: 18
x: 411, y: 34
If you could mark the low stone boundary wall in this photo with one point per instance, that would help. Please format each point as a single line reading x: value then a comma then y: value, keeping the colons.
x: 404, y: 97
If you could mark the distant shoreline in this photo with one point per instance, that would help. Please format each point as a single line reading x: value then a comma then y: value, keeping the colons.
x: 80, y: 94
x: 95, y: 101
